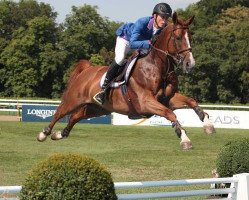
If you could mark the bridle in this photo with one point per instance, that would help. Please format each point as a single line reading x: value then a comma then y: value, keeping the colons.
x: 176, y: 57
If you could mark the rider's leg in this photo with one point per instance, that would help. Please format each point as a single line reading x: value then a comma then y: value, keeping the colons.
x: 111, y: 74
x: 121, y: 49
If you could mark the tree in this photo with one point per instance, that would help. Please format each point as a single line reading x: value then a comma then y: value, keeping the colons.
x: 208, y: 11
x: 27, y: 33
x: 32, y: 60
x: 86, y: 32
x: 85, y: 35
x: 222, y: 56
x: 14, y: 15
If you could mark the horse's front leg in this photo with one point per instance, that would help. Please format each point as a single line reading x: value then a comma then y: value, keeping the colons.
x: 208, y: 126
x: 153, y: 106
x: 180, y: 101
x: 185, y: 143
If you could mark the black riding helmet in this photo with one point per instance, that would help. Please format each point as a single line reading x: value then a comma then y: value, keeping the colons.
x: 162, y: 9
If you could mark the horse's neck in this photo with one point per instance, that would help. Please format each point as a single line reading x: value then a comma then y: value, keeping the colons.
x: 164, y: 37
x: 160, y: 48
x: 160, y: 52
x: 161, y: 60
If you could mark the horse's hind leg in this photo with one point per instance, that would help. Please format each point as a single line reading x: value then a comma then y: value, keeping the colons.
x: 61, y: 111
x: 84, y: 112
x: 181, y: 101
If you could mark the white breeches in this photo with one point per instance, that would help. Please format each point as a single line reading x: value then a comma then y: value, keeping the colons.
x: 121, y: 50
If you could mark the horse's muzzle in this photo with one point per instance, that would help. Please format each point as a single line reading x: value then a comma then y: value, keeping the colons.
x: 188, y: 65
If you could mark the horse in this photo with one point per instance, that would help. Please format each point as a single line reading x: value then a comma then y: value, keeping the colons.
x: 152, y: 87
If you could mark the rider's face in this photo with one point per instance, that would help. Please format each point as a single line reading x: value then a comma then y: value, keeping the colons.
x: 160, y: 21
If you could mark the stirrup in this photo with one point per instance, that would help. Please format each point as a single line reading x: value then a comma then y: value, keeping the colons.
x: 100, y: 97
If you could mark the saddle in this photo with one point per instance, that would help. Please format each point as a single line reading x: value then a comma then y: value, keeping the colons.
x: 121, y: 81
x: 124, y: 76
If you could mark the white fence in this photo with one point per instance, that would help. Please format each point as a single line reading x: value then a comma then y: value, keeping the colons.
x: 16, y: 103
x: 187, y: 117
x: 20, y: 102
x: 239, y: 189
x: 232, y: 117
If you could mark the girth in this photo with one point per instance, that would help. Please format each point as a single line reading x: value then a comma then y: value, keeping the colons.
x: 130, y: 96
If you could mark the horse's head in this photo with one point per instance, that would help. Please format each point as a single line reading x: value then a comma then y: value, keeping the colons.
x: 175, y: 41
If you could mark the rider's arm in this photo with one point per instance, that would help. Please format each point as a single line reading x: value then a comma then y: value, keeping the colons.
x: 141, y: 35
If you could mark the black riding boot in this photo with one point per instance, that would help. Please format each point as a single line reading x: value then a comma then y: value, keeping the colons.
x: 113, y: 72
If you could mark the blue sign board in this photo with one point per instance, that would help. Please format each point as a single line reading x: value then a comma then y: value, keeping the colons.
x: 44, y: 113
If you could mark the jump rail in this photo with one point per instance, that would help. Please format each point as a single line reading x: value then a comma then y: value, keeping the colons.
x: 239, y: 189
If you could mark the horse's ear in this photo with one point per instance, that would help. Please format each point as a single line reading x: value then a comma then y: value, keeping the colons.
x: 174, y: 17
x: 189, y: 21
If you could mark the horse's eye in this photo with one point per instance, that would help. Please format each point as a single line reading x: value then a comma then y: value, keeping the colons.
x: 178, y: 38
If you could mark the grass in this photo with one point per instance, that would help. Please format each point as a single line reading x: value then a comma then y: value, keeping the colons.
x: 11, y: 113
x: 130, y: 153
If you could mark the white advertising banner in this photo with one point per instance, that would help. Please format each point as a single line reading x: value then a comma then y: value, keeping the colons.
x: 188, y: 118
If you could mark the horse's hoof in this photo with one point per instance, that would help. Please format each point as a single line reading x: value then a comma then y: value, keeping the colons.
x: 56, y: 136
x: 186, y: 145
x: 41, y: 137
x: 209, y: 129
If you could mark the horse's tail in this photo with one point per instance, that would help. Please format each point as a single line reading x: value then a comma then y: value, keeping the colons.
x: 79, y: 67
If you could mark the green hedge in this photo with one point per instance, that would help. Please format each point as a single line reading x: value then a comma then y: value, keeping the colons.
x: 68, y: 177
x: 233, y: 158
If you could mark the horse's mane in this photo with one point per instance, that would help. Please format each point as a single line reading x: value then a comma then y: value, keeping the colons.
x: 78, y: 68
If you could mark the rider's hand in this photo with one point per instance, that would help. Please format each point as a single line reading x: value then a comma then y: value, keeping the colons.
x: 153, y: 39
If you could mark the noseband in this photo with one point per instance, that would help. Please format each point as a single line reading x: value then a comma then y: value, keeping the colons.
x: 178, y: 58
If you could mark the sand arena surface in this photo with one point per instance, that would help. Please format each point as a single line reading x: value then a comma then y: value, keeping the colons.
x: 9, y: 118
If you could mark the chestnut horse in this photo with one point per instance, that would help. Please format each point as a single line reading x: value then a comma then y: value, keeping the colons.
x: 153, y: 85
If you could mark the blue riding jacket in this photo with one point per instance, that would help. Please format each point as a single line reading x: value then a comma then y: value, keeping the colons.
x: 138, y: 34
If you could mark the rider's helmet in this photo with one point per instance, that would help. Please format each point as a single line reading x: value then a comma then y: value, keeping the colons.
x: 162, y: 9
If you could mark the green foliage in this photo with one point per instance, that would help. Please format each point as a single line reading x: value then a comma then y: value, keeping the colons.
x: 97, y: 59
x: 37, y: 55
x: 104, y: 57
x: 207, y: 12
x: 233, y: 158
x: 14, y: 15
x: 222, y: 58
x: 68, y: 177
x: 86, y: 32
x: 32, y: 59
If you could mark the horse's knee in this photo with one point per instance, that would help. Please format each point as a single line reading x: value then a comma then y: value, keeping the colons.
x: 191, y: 102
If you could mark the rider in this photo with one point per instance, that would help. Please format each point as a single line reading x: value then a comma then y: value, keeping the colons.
x: 136, y: 35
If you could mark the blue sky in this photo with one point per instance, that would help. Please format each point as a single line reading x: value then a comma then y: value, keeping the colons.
x: 115, y: 10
